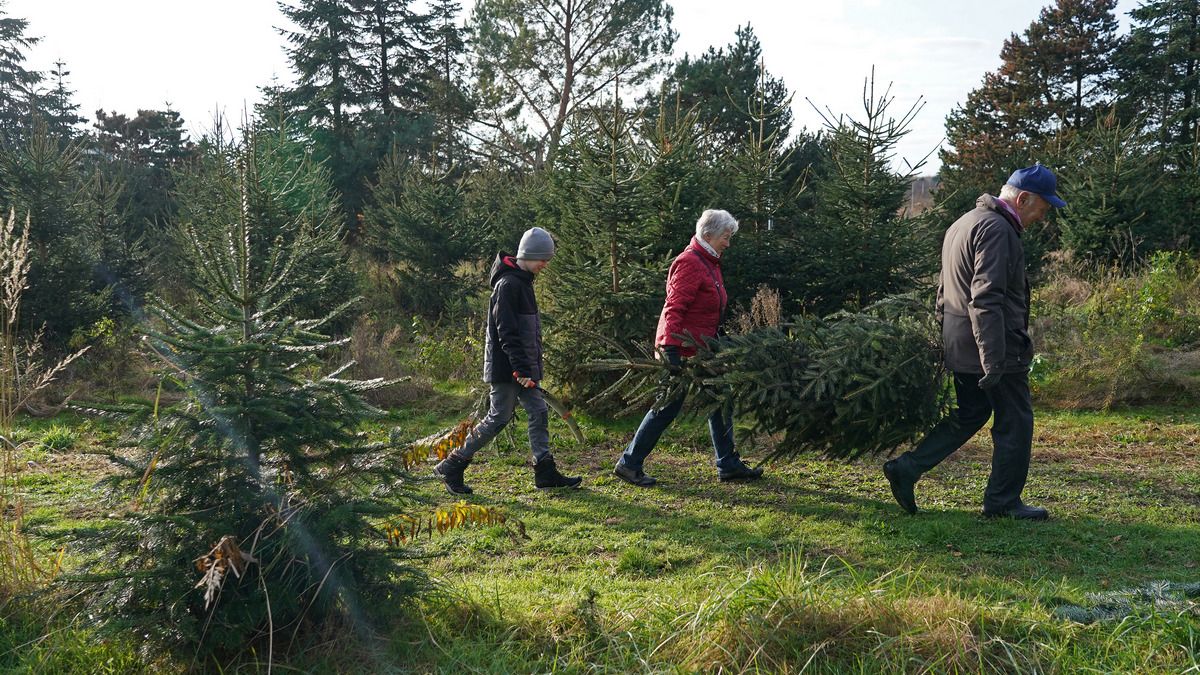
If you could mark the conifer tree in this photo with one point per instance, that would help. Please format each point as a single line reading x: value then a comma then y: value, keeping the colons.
x: 1056, y: 75
x: 1158, y: 69
x: 258, y: 480
x: 501, y: 203
x: 861, y: 247
x: 324, y: 54
x: 17, y: 83
x: 416, y: 223
x: 57, y: 106
x: 1115, y: 188
x: 679, y: 181
x: 605, y: 277
x: 449, y: 99
x: 125, y: 246
x: 1159, y: 72
x: 726, y: 87
x: 393, y: 51
x: 763, y: 188
x: 303, y: 199
x: 44, y: 177
x: 136, y: 163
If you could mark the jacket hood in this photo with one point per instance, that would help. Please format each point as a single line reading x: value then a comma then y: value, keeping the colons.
x: 506, y: 265
x: 989, y: 202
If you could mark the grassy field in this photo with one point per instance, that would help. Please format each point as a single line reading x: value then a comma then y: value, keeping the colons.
x: 812, y: 569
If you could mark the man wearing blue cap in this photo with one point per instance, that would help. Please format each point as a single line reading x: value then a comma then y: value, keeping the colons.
x: 983, y: 306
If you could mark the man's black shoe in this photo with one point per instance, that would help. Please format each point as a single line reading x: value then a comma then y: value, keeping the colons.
x: 902, y: 487
x: 1019, y: 512
x: 740, y: 472
x: 633, y: 476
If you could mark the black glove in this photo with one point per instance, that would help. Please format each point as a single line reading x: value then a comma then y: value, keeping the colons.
x: 670, y: 353
x: 989, y: 380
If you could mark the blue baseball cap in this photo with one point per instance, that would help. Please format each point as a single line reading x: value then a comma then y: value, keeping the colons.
x: 1040, y: 181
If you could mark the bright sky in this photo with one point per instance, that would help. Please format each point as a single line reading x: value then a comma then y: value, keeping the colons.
x: 203, y: 57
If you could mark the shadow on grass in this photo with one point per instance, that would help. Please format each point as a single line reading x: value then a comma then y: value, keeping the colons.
x: 758, y: 519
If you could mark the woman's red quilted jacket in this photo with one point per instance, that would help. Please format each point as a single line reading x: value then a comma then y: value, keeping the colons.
x: 696, y: 299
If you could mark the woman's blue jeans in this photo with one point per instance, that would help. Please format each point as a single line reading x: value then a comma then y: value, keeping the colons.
x: 720, y: 427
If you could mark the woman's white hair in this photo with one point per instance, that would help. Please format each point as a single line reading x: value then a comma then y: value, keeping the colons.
x: 714, y: 222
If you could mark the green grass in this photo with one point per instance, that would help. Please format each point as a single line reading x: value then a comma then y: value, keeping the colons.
x: 812, y: 569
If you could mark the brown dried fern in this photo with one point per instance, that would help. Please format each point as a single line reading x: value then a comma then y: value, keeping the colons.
x: 448, y: 518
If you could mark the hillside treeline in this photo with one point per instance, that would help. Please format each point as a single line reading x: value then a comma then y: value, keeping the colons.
x: 430, y: 138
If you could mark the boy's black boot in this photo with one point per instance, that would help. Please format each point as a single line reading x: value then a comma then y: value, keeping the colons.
x: 546, y: 475
x: 450, y: 470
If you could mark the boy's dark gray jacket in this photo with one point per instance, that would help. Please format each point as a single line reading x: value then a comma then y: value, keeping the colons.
x: 514, y: 326
x: 983, y: 295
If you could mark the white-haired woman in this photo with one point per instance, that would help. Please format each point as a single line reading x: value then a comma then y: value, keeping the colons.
x: 695, y: 307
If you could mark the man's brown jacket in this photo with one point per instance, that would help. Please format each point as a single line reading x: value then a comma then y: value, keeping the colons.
x: 983, y: 295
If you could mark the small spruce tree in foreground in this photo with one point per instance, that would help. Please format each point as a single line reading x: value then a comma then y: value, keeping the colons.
x: 255, y: 508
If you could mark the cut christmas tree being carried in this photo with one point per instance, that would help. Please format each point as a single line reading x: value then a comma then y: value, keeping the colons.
x: 846, y: 385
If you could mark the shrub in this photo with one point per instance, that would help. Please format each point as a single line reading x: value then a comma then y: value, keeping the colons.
x: 59, y: 438
x: 445, y: 353
x: 1108, y: 337
x: 114, y: 365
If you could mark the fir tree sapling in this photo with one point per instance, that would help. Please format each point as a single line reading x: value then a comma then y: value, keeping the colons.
x: 862, y: 245
x: 606, y: 276
x: 260, y: 463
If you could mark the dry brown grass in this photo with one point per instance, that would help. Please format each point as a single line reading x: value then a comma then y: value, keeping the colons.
x: 787, y: 634
x: 375, y: 347
x: 1108, y: 336
x: 766, y: 310
x: 1063, y: 290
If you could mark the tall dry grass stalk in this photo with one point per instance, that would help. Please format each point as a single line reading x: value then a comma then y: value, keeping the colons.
x: 22, y: 375
x: 766, y: 311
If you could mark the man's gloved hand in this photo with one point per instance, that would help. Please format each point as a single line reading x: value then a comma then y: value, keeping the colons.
x: 989, y: 380
x: 526, y: 382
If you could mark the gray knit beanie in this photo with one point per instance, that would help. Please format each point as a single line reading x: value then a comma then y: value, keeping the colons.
x: 536, y: 244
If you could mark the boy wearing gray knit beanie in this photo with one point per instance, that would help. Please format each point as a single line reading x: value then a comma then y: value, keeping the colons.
x: 512, y: 365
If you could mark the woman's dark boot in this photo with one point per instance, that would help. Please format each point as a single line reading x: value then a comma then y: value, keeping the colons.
x: 450, y: 470
x: 546, y: 475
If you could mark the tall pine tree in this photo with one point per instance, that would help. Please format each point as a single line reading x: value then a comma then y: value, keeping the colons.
x: 727, y: 87
x: 1159, y: 68
x: 1056, y: 75
x: 449, y: 98
x: 17, y: 83
x: 57, y: 105
x: 1159, y: 76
